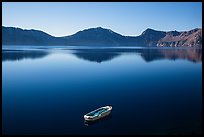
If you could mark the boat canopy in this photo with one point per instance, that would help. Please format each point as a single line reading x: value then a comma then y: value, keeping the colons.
x: 97, y: 112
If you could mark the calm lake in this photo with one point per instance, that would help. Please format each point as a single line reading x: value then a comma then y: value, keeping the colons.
x: 47, y: 90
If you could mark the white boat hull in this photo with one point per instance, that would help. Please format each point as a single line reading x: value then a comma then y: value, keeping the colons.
x: 94, y: 118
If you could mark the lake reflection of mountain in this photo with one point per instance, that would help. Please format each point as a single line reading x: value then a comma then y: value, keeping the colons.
x: 100, y: 55
x: 96, y: 57
x: 107, y: 54
x: 12, y: 55
x: 194, y: 55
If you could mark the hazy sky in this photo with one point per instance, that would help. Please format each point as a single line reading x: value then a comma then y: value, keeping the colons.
x: 130, y: 18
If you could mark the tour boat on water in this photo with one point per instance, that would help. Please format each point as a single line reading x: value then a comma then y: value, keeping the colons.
x: 98, y: 113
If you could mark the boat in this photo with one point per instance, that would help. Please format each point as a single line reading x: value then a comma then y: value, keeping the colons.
x: 98, y: 113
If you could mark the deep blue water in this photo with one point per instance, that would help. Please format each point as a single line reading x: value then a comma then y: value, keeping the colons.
x: 152, y: 91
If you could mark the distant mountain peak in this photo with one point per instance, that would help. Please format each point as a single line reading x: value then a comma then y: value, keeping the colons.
x: 97, y: 29
x: 149, y: 30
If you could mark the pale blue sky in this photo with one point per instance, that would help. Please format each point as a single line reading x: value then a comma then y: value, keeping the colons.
x: 130, y: 18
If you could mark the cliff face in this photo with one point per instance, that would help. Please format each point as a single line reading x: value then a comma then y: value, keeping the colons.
x: 192, y: 38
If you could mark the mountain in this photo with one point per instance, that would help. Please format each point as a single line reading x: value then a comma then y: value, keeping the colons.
x: 150, y: 37
x: 95, y: 36
x: 17, y: 36
x: 179, y: 39
x: 103, y: 37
